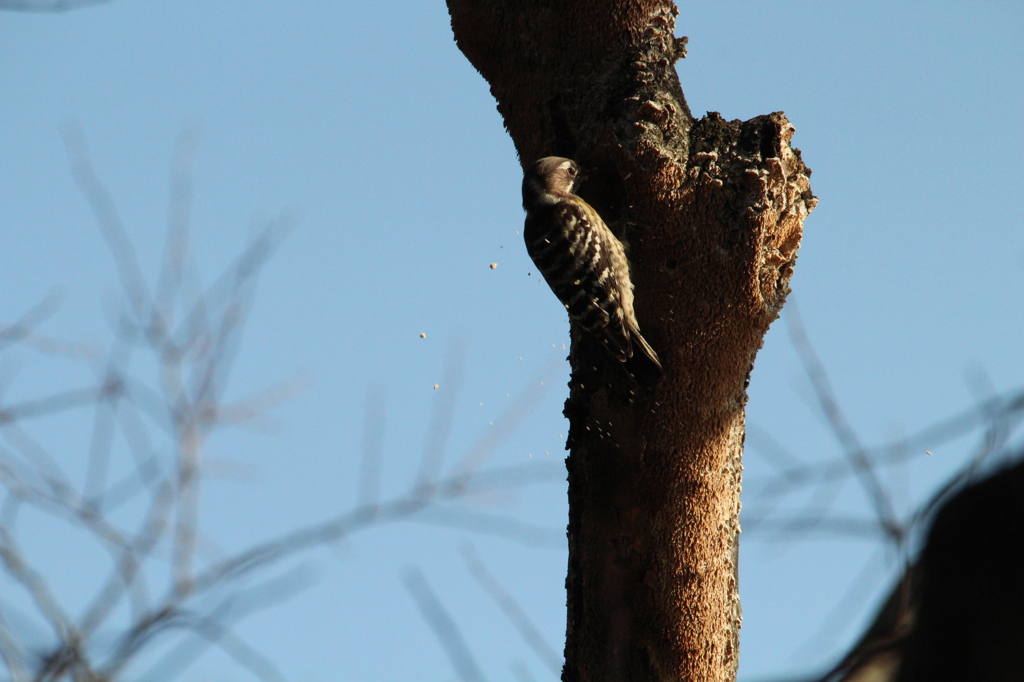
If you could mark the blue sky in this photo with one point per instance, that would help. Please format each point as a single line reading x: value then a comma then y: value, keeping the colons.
x: 364, y: 122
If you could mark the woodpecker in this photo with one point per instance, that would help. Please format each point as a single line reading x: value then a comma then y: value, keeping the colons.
x: 583, y: 262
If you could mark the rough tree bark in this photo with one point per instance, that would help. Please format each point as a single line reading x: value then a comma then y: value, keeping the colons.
x: 712, y: 213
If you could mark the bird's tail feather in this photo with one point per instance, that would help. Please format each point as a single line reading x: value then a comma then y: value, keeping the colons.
x: 646, y: 348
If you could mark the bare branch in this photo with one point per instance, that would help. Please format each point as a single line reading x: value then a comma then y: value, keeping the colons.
x: 481, y: 523
x: 372, y: 451
x: 858, y: 457
x: 521, y: 672
x: 1009, y: 406
x: 196, y: 333
x: 126, y: 570
x: 24, y: 327
x: 512, y: 610
x: 47, y: 5
x: 359, y: 518
x: 38, y: 590
x: 13, y: 656
x: 881, y: 649
x: 62, y: 502
x: 58, y: 402
x: 193, y: 333
x: 243, y: 654
x: 809, y: 521
x: 444, y: 412
x: 179, y: 215
x: 995, y: 437
x: 107, y: 219
x: 104, y: 423
x: 444, y: 627
x: 189, y: 448
x: 250, y: 409
x: 215, y: 628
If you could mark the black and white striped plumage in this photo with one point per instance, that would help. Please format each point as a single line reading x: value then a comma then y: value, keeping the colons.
x: 582, y: 261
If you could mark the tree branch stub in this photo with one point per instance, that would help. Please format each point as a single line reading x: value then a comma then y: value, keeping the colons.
x: 712, y: 213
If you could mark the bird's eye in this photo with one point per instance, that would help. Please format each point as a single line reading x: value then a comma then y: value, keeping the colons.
x: 571, y: 171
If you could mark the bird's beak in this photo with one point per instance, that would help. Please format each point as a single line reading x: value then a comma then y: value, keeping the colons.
x: 581, y: 177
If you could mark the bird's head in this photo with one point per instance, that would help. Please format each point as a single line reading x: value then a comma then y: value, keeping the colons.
x: 548, y: 178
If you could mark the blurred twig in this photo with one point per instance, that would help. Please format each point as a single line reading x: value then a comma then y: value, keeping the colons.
x: 144, y: 464
x: 859, y: 460
x: 444, y: 627
x: 26, y: 325
x: 372, y: 452
x: 997, y: 417
x: 512, y: 610
x: 444, y: 413
x: 47, y: 5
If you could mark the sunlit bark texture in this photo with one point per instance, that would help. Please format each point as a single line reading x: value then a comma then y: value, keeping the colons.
x: 712, y: 213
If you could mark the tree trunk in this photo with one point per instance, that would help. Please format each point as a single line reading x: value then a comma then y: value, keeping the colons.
x: 712, y: 215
